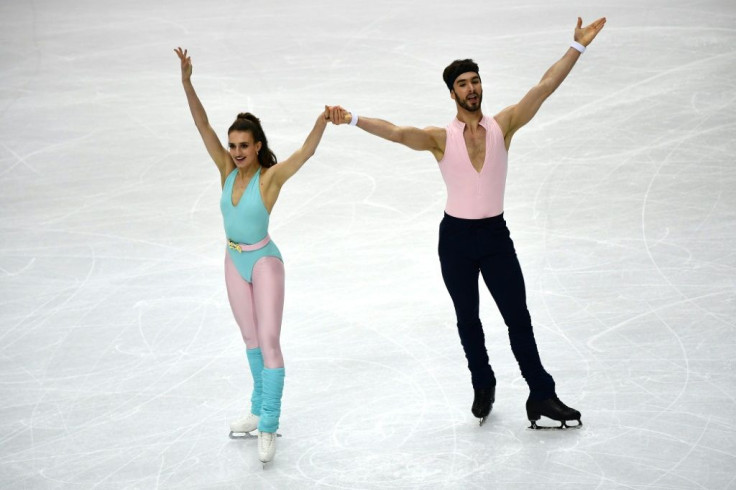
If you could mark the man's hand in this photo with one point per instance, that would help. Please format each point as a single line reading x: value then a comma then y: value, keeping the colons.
x: 585, y: 35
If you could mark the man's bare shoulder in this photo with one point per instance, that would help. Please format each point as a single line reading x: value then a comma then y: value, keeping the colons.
x: 438, y: 134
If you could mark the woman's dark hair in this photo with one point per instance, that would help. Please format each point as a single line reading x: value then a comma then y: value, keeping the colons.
x: 248, y: 122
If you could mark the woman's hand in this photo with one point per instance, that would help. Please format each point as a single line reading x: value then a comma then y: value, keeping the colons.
x: 186, y: 64
x: 337, y: 115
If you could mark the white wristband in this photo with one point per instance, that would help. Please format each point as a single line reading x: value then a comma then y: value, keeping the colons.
x: 576, y: 45
x: 353, y: 118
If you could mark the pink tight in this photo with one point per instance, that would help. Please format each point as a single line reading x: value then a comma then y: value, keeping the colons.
x: 258, y: 306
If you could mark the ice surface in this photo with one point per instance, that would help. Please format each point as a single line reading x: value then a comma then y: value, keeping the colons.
x: 121, y: 365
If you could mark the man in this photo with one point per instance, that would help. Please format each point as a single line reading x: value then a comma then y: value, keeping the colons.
x: 472, y: 154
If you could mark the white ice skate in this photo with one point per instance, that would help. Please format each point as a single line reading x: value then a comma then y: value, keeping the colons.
x: 266, y: 446
x: 242, y: 428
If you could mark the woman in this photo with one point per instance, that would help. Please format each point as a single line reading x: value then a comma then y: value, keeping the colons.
x: 251, y: 181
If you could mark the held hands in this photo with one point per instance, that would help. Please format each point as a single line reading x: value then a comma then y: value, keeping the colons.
x: 585, y: 35
x: 186, y: 63
x: 337, y: 115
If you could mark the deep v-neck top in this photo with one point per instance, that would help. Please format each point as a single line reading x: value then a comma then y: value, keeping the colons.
x: 246, y: 222
x: 472, y: 194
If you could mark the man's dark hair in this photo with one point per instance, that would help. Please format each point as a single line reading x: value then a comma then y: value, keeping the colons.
x: 457, y: 68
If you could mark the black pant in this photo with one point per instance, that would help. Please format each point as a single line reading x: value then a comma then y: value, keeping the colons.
x: 467, y: 247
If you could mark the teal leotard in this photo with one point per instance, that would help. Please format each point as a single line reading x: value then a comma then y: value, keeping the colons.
x: 246, y: 223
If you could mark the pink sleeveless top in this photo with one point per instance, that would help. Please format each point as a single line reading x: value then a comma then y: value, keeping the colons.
x: 472, y: 194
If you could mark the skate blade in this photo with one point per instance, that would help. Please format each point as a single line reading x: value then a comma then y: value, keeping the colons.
x: 482, y: 420
x: 242, y: 435
x: 246, y: 435
x: 563, y: 425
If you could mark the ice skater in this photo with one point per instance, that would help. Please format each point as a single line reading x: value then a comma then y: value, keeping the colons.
x: 472, y: 153
x: 251, y: 180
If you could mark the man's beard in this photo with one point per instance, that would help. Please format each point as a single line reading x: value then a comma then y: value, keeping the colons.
x: 470, y: 108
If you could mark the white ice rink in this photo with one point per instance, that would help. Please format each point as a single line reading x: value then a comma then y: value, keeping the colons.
x: 121, y: 364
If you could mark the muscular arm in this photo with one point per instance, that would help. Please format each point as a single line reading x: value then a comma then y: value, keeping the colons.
x: 514, y: 117
x: 427, y: 139
x: 217, y: 152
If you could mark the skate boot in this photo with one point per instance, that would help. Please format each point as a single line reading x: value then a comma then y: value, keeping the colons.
x: 554, y: 409
x: 242, y: 428
x: 266, y: 446
x: 483, y: 402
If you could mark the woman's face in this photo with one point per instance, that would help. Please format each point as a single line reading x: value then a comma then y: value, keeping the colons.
x: 243, y: 149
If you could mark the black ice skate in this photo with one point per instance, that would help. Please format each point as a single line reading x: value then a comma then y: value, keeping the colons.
x: 554, y: 409
x: 483, y: 403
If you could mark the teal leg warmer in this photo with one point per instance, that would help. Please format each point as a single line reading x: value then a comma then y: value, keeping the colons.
x: 273, y: 388
x: 255, y: 361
